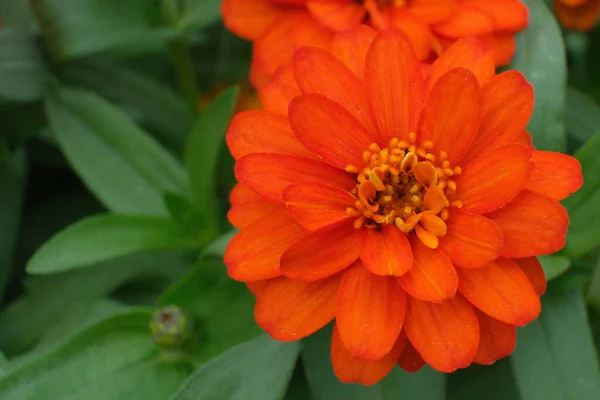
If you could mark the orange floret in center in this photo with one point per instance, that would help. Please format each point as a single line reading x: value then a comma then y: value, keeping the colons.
x: 406, y: 186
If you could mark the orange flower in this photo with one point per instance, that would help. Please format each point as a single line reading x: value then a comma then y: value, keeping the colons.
x: 410, y: 209
x: 578, y: 14
x: 247, y: 99
x: 279, y: 27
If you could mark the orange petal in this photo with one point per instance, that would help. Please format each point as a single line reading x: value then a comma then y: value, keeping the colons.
x: 269, y: 174
x: 290, y: 310
x: 322, y: 253
x: 432, y: 11
x: 315, y: 205
x: 496, y: 339
x: 355, y: 370
x: 502, y: 291
x: 469, y: 53
x: 410, y: 360
x: 254, y: 253
x: 532, y: 225
x: 276, y: 95
x: 493, y: 179
x: 525, y: 138
x: 329, y: 130
x: 451, y: 114
x: 507, y: 106
x: 432, y: 277
x: 370, y: 312
x: 351, y: 47
x: 502, y: 45
x: 386, y: 252
x: 249, y: 19
x: 535, y: 273
x: 415, y: 29
x: 394, y: 85
x: 465, y: 21
x: 259, y: 131
x: 582, y: 17
x: 508, y: 15
x: 446, y: 335
x: 255, y: 286
x: 472, y: 241
x: 555, y: 175
x: 318, y: 71
x: 247, y: 206
x: 337, y: 15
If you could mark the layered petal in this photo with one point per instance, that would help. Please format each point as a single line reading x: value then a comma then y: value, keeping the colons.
x: 532, y: 225
x: 554, y: 174
x: 410, y: 360
x: 247, y: 206
x: 451, y: 114
x: 386, y: 252
x: 414, y: 28
x: 337, y: 15
x: 351, y: 47
x: 502, y: 45
x: 319, y: 71
x: 432, y: 11
x: 583, y: 16
x: 329, y: 130
x: 432, y: 277
x: 465, y: 21
x: 309, y: 260
x: 394, y: 85
x: 276, y: 94
x: 249, y: 19
x: 496, y: 339
x: 507, y: 106
x: 446, y: 335
x: 269, y: 174
x: 290, y: 310
x: 253, y: 254
x: 507, y: 15
x: 535, y: 273
x: 502, y: 291
x: 471, y: 241
x: 349, y: 369
x: 370, y: 313
x: 493, y: 179
x: 259, y: 131
x: 316, y: 205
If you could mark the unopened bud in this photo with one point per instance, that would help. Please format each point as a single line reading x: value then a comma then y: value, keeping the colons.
x: 171, y: 327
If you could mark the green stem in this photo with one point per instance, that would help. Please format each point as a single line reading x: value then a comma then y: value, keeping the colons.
x: 180, y: 55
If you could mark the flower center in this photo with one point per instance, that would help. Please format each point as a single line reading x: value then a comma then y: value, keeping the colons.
x: 406, y: 186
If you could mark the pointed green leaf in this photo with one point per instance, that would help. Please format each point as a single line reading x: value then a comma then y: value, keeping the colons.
x: 582, y: 118
x: 554, y: 265
x: 22, y: 69
x: 489, y: 382
x: 423, y: 384
x: 199, y: 13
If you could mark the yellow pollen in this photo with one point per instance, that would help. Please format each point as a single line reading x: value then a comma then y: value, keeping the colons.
x: 407, y: 186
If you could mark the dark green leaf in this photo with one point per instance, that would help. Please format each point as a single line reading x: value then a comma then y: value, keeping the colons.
x: 489, y: 382
x: 206, y: 138
x: 103, y: 237
x: 184, y: 214
x: 74, y: 28
x: 584, y: 227
x: 217, y: 248
x: 200, y: 13
x: 541, y: 57
x: 555, y: 356
x: 17, y: 14
x: 554, y: 265
x: 3, y: 364
x: 582, y: 115
x: 49, y: 297
x: 114, y: 359
x: 121, y: 164
x: 424, y: 384
x: 13, y: 176
x: 259, y: 369
x: 22, y: 70
x: 298, y: 388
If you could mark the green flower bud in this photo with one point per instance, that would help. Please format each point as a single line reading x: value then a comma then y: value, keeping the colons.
x: 171, y: 327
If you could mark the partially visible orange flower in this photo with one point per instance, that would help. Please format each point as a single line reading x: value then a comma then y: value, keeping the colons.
x: 578, y: 14
x: 408, y: 208
x: 247, y: 99
x: 278, y: 27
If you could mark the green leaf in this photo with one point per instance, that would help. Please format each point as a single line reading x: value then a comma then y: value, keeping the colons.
x: 554, y: 265
x: 298, y: 388
x: 13, y: 177
x: 541, y: 58
x: 489, y: 382
x: 217, y: 247
x: 259, y: 369
x: 103, y: 237
x: 52, y: 297
x: 206, y: 138
x: 199, y: 13
x: 3, y: 364
x: 121, y: 164
x: 17, y: 14
x: 74, y: 28
x: 582, y: 115
x: 584, y: 226
x: 114, y: 359
x: 555, y: 356
x: 156, y: 105
x: 220, y: 305
x: 423, y: 384
x: 184, y: 214
x: 22, y: 69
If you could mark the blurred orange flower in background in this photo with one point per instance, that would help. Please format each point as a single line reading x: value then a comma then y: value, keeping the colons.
x: 578, y: 14
x: 408, y: 204
x: 278, y: 27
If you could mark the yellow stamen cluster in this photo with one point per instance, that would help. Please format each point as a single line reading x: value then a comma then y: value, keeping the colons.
x: 407, y: 186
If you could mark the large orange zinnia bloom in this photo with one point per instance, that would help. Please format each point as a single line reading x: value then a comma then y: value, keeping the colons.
x: 279, y: 27
x: 578, y: 14
x: 410, y: 209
